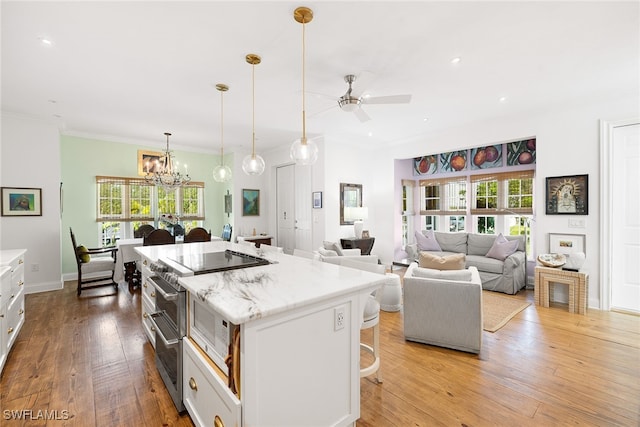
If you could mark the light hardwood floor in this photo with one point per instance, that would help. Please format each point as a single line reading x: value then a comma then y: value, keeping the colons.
x: 89, y: 356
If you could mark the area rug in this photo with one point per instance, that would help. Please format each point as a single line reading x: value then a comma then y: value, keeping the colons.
x: 498, y: 309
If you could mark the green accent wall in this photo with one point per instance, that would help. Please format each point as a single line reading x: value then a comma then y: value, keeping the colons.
x: 82, y: 159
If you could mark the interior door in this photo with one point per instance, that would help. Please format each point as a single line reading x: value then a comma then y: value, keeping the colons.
x: 303, y: 205
x: 285, y: 208
x: 625, y: 221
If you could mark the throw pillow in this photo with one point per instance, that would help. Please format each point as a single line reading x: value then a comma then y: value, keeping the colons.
x: 83, y: 257
x: 502, y: 248
x: 427, y: 241
x: 449, y: 262
x: 333, y: 246
x: 338, y: 248
x: 429, y: 273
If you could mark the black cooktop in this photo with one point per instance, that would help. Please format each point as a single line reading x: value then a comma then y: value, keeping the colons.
x: 211, y: 262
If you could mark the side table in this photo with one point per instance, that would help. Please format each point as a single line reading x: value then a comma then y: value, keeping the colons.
x: 578, y: 283
x: 365, y: 245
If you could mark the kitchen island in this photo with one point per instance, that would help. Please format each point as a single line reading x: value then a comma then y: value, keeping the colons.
x: 297, y: 356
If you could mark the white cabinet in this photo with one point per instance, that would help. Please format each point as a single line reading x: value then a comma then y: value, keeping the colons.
x: 12, y: 315
x: 205, y: 395
x: 148, y: 301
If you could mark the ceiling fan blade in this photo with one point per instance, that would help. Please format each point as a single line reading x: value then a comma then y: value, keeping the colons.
x: 319, y: 95
x: 320, y: 112
x: 392, y: 99
x: 361, y: 115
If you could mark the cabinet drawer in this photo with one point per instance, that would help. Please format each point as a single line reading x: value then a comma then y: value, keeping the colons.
x: 148, y: 290
x: 205, y: 394
x: 149, y: 330
x: 17, y: 279
x: 5, y: 285
x: 15, y: 319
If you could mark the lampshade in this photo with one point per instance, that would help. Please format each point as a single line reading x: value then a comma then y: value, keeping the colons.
x: 303, y: 150
x: 222, y: 172
x: 253, y: 164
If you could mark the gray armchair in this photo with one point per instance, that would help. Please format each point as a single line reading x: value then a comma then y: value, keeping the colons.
x: 443, y: 308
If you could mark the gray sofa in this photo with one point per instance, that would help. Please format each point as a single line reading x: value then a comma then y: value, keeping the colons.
x: 508, y: 276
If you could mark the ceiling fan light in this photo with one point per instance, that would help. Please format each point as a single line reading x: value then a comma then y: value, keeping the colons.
x: 253, y: 164
x: 349, y: 104
x: 304, y: 152
x: 222, y: 173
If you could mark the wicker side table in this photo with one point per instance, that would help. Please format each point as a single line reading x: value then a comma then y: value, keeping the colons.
x: 578, y: 287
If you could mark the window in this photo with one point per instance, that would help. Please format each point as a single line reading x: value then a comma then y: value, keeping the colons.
x: 486, y: 224
x: 456, y: 223
x: 520, y: 193
x: 486, y: 194
x: 430, y: 222
x: 503, y: 193
x: 126, y: 203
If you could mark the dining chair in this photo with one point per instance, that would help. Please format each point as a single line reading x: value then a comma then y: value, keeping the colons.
x: 158, y: 237
x: 197, y: 234
x: 143, y: 230
x: 96, y: 266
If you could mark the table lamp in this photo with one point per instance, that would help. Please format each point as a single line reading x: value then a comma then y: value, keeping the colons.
x: 357, y: 215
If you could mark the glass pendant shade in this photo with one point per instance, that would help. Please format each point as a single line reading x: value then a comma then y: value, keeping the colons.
x: 304, y: 153
x: 222, y: 173
x: 253, y: 164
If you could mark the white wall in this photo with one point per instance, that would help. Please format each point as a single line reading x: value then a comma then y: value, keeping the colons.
x: 31, y: 158
x: 567, y: 143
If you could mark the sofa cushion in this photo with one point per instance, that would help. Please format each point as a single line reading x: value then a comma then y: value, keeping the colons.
x: 502, y: 248
x: 479, y: 244
x: 452, y: 242
x: 333, y: 246
x: 448, y: 262
x: 327, y: 252
x: 426, y: 241
x: 482, y: 263
x: 429, y: 273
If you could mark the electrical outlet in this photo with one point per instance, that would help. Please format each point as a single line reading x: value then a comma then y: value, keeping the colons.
x: 339, y: 318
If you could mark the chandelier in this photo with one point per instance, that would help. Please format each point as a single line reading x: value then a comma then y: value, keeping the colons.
x: 222, y: 172
x: 164, y: 173
x: 303, y: 151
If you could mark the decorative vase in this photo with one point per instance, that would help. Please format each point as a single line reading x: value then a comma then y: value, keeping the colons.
x: 357, y: 227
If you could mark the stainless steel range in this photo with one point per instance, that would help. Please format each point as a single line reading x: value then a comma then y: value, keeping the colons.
x: 169, y: 319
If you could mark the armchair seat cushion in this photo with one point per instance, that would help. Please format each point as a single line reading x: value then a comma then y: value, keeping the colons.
x: 97, y: 264
x: 482, y: 263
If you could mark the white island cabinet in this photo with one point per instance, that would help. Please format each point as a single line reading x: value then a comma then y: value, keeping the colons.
x: 299, y: 322
x: 11, y: 299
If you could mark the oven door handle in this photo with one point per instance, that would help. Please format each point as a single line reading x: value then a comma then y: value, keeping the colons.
x: 159, y: 326
x: 167, y: 296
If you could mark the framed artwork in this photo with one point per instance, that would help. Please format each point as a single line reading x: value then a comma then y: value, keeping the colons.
x: 317, y: 199
x: 567, y: 195
x: 250, y: 202
x: 566, y: 243
x: 486, y: 157
x: 453, y: 161
x: 18, y: 201
x: 148, y: 161
x: 426, y: 165
x: 521, y: 152
x: 227, y: 204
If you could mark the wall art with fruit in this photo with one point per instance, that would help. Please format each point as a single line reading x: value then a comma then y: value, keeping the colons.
x: 521, y: 152
x: 454, y: 161
x: 426, y: 165
x: 486, y: 157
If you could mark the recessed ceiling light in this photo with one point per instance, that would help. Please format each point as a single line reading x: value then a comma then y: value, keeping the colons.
x: 426, y: 119
x: 503, y: 99
x: 46, y: 41
x: 370, y: 133
x: 456, y: 60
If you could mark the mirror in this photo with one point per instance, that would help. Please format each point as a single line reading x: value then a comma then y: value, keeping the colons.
x: 350, y: 197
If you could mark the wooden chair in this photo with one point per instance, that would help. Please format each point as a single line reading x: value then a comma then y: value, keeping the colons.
x: 226, y: 232
x: 143, y: 230
x: 158, y: 237
x: 100, y: 268
x: 197, y: 234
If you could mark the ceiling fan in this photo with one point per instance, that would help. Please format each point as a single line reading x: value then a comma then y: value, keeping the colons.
x: 351, y: 103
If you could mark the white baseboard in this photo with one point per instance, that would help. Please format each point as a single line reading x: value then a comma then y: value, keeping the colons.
x: 34, y: 288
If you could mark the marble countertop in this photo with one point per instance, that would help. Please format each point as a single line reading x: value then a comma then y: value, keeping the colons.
x: 257, y: 292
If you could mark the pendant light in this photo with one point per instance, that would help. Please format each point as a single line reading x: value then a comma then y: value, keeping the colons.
x: 253, y: 164
x: 164, y: 171
x: 303, y: 151
x: 222, y: 172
